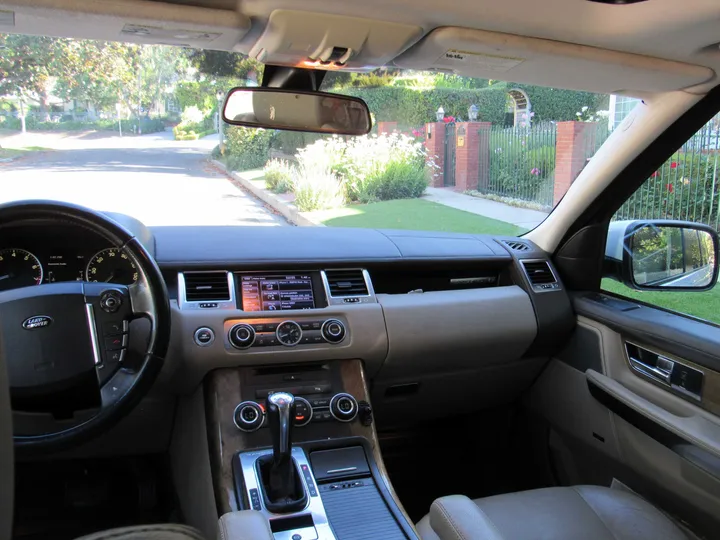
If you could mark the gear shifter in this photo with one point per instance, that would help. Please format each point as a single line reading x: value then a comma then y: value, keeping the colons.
x: 282, y: 487
x: 281, y: 411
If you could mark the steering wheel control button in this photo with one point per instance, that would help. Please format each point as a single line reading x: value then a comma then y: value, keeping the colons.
x: 113, y: 328
x: 242, y: 336
x: 110, y: 301
x: 303, y: 412
x: 114, y: 343
x: 248, y: 416
x: 343, y: 407
x: 204, y: 337
x: 289, y: 333
x: 333, y: 331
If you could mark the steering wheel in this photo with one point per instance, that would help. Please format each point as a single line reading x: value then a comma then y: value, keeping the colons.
x: 65, y: 343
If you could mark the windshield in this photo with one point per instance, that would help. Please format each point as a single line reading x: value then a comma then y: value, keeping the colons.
x: 134, y: 129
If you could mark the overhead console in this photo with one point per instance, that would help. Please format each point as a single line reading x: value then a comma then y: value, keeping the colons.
x: 318, y: 40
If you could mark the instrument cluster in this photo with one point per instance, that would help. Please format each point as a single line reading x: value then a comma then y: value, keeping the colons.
x: 38, y: 255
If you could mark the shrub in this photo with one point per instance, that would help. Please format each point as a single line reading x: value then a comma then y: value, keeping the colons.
x: 278, y: 176
x: 191, y: 115
x: 371, y: 168
x: 247, y: 148
x: 415, y: 106
x: 317, y: 188
x: 399, y: 180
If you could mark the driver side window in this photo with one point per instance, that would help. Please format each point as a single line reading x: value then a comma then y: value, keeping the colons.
x: 685, y: 188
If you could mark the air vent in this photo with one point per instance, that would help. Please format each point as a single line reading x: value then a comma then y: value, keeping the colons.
x: 540, y: 275
x: 343, y: 283
x: 516, y: 245
x: 206, y: 286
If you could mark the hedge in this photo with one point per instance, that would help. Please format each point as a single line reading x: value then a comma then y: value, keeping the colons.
x: 148, y: 125
x: 414, y: 107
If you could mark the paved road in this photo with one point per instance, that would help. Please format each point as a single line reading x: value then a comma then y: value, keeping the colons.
x: 152, y: 178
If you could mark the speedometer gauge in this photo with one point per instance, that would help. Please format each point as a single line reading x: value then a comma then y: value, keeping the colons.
x: 112, y: 265
x: 19, y: 268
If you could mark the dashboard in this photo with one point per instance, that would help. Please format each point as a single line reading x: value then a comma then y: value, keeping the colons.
x: 434, y: 317
x: 33, y: 255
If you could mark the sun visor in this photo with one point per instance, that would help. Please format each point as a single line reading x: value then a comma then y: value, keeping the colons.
x: 302, y: 38
x: 494, y: 55
x: 138, y: 21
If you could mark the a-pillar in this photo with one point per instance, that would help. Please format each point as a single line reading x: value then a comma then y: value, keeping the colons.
x: 573, y: 146
x: 435, y: 151
x: 387, y: 128
x: 471, y: 152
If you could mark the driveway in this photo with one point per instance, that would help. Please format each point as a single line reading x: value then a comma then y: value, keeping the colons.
x: 152, y: 178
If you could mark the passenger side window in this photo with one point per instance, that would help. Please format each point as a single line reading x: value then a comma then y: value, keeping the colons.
x: 686, y: 188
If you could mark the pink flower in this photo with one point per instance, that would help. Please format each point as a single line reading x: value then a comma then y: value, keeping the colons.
x: 654, y: 175
x: 670, y: 188
x: 449, y: 119
x: 673, y: 165
x: 535, y: 171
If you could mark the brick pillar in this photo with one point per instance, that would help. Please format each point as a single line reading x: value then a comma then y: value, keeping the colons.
x: 571, y: 152
x: 387, y: 128
x: 471, y: 154
x: 435, y: 148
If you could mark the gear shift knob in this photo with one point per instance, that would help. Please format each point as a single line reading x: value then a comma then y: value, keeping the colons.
x: 281, y: 412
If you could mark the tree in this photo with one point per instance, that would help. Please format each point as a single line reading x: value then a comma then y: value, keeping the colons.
x: 225, y: 64
x: 96, y: 71
x: 27, y: 66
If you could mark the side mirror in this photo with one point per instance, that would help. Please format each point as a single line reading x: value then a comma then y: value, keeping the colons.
x: 276, y: 108
x: 662, y: 255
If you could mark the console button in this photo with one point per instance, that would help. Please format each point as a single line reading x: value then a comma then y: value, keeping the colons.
x: 320, y: 402
x: 241, y: 336
x: 248, y: 416
x: 203, y: 337
x: 333, y: 331
x: 343, y: 407
x: 303, y: 412
x: 255, y: 499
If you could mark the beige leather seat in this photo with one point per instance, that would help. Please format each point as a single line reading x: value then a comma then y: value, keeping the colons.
x: 562, y: 513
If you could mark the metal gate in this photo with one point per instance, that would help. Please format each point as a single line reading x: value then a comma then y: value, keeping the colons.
x: 449, y: 166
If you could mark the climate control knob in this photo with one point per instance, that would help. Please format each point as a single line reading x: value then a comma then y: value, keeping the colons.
x: 333, y: 331
x: 303, y: 412
x: 249, y: 416
x: 241, y: 336
x: 343, y: 407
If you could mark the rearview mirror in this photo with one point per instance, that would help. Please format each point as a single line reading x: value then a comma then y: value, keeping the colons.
x: 275, y: 108
x: 662, y: 255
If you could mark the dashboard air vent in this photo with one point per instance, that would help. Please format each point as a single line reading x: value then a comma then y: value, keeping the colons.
x: 343, y: 283
x: 206, y: 286
x: 540, y: 275
x: 516, y: 245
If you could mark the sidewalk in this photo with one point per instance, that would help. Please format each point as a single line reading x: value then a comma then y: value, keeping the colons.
x: 522, y: 217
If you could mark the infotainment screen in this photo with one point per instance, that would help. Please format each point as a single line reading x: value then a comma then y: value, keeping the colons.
x: 270, y: 292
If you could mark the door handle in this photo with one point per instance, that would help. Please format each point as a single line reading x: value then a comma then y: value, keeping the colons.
x: 657, y: 372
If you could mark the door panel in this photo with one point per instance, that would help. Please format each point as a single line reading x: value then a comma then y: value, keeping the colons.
x: 660, y: 442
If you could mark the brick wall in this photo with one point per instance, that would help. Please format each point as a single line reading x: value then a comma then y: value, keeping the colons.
x: 435, y: 148
x: 386, y: 128
x: 472, y: 154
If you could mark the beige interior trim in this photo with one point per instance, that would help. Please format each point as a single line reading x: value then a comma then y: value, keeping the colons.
x: 684, y: 423
x: 105, y: 19
x: 496, y: 55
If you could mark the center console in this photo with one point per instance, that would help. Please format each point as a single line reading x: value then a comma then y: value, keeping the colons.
x: 297, y: 443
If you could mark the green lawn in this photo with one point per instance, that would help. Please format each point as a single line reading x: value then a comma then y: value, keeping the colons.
x: 414, y: 214
x: 17, y: 152
x: 705, y: 305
